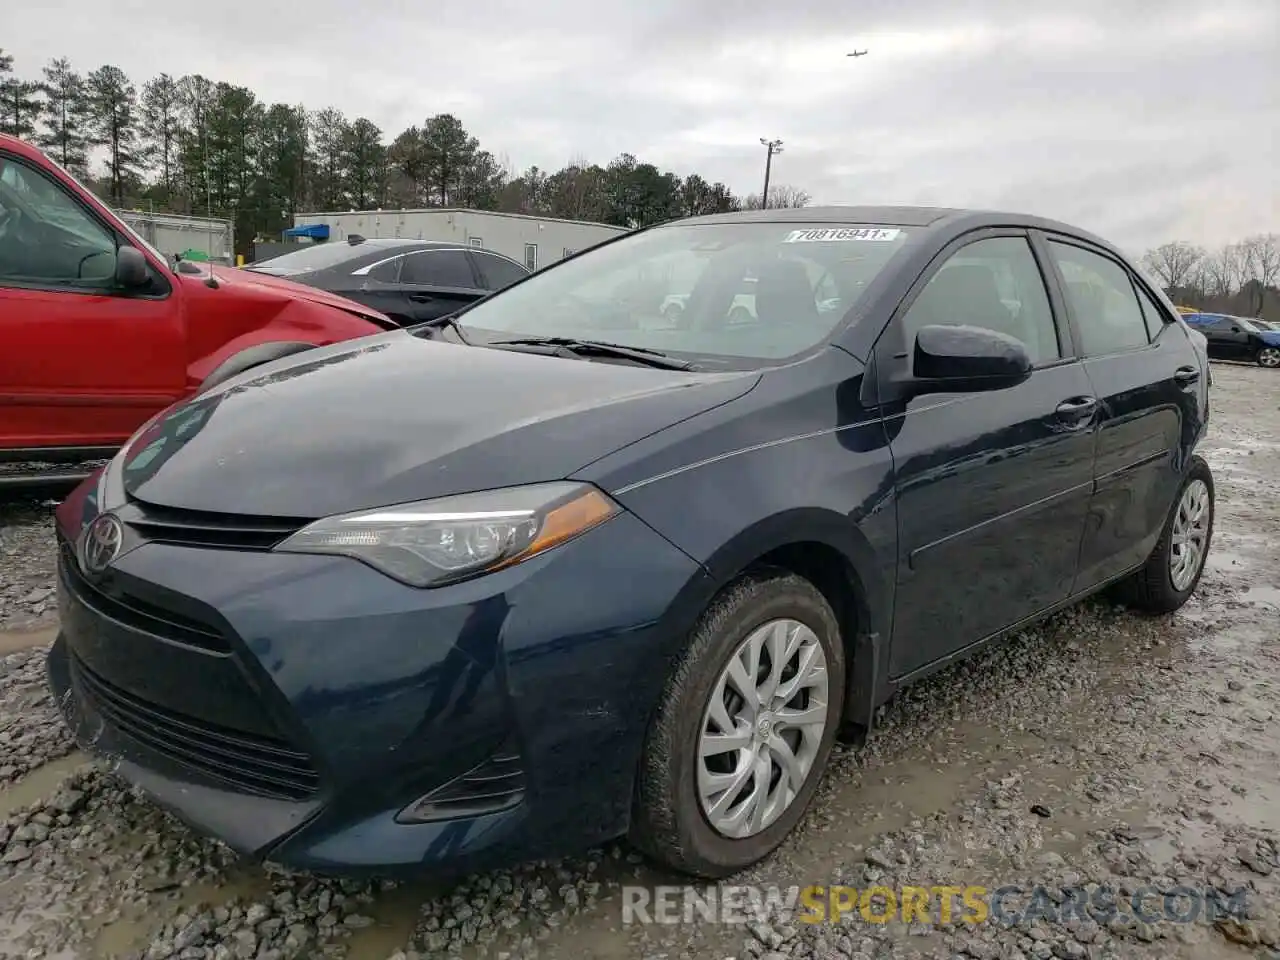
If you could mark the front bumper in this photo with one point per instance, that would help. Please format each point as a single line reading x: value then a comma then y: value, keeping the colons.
x: 295, y: 706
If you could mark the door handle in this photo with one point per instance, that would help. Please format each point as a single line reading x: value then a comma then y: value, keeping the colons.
x: 1077, y: 408
x: 1186, y: 374
x: 421, y: 297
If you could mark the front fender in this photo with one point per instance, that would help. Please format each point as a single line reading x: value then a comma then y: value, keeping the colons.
x: 297, y: 321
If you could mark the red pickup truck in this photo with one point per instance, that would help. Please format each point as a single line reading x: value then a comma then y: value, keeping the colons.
x: 98, y: 330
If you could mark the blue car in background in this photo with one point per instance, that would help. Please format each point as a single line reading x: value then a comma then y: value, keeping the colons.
x: 569, y: 565
x: 1237, y: 338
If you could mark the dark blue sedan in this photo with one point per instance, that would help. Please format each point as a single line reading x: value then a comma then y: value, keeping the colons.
x: 571, y: 565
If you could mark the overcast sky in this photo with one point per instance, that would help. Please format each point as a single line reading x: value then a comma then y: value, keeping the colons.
x: 1144, y: 120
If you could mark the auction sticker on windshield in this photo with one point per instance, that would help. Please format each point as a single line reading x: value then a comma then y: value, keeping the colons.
x: 841, y: 233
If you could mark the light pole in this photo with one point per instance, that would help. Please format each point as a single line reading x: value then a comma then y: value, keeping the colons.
x: 772, y: 147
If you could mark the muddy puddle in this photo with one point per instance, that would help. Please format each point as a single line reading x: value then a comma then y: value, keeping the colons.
x: 14, y: 641
x: 40, y: 783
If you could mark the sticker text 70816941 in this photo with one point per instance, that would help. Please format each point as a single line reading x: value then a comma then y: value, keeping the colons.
x: 838, y: 234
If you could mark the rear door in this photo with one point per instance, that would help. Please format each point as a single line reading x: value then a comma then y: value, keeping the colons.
x: 81, y: 364
x: 377, y: 285
x: 1145, y: 373
x: 992, y: 487
x: 434, y: 283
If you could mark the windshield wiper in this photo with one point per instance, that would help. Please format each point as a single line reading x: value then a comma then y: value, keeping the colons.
x: 446, y: 321
x: 652, y: 358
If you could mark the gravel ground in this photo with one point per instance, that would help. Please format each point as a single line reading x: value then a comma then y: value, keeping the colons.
x: 27, y: 560
x: 1100, y: 748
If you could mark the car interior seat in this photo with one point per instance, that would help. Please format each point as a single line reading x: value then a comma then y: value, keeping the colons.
x: 966, y: 295
x: 784, y: 294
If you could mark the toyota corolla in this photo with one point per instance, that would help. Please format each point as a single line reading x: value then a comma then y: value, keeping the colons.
x: 567, y: 566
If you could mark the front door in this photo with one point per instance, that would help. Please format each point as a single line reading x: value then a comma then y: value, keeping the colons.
x: 81, y: 363
x: 1144, y: 371
x: 1226, y: 341
x: 992, y: 487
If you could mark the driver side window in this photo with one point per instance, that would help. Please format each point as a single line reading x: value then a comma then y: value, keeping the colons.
x: 46, y: 238
x: 993, y: 283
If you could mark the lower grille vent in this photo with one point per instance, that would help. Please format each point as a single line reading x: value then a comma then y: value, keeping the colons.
x: 251, y: 764
x: 497, y: 784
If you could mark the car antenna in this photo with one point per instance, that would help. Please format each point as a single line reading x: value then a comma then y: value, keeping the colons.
x: 354, y: 238
x: 211, y: 281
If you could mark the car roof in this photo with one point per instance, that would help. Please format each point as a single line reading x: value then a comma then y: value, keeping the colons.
x: 895, y: 216
x: 930, y: 218
x: 18, y: 145
x: 395, y: 243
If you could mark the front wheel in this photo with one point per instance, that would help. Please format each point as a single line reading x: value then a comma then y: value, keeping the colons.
x: 1269, y: 357
x: 744, y: 728
x: 1175, y: 566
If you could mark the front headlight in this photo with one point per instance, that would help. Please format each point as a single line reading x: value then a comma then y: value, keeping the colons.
x: 435, y: 542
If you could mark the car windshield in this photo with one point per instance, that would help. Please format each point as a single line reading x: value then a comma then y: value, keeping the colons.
x: 1244, y: 324
x: 733, y: 294
x: 316, y: 256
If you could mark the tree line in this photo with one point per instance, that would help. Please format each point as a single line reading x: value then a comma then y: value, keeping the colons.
x: 197, y: 146
x: 1239, y: 278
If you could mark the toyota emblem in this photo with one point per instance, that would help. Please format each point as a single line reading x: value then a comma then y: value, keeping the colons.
x: 101, y: 544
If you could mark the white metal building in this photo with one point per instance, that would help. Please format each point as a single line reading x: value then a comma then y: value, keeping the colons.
x: 533, y: 241
x: 172, y: 233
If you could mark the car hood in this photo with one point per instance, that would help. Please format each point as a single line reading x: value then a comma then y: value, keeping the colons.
x: 395, y: 417
x: 298, y: 291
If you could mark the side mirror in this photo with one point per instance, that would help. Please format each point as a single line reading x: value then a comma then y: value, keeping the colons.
x: 1234, y: 328
x: 960, y: 359
x: 131, y: 268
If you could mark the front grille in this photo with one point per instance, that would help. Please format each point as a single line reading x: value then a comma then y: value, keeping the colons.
x: 199, y: 528
x: 497, y: 784
x: 249, y: 763
x: 129, y: 609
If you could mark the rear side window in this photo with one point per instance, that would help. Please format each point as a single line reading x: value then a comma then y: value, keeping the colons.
x: 1151, y: 313
x: 499, y: 273
x: 1102, y: 300
x: 441, y: 268
x: 386, y: 272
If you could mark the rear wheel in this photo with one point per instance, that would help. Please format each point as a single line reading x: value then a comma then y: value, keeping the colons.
x: 744, y: 728
x: 1269, y: 357
x: 1175, y: 566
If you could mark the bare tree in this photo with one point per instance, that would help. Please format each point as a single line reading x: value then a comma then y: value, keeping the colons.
x: 1224, y: 271
x: 781, y: 197
x: 1173, y: 263
x: 1259, y: 258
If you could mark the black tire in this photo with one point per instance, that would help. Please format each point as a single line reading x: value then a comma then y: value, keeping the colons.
x: 1268, y: 357
x: 1151, y: 589
x: 668, y: 823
